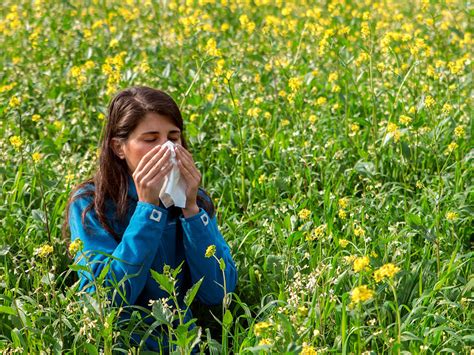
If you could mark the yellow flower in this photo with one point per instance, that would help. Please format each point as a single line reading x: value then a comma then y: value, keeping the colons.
x: 451, y: 148
x: 365, y: 30
x: 451, y: 216
x: 332, y: 77
x: 312, y: 118
x: 265, y: 341
x: 36, y: 118
x: 246, y: 24
x: 69, y: 177
x: 343, y: 242
x: 388, y: 270
x: 447, y: 108
x: 429, y: 101
x: 75, y: 246
x: 285, y: 122
x: 261, y: 327
x: 211, y: 47
x: 361, y: 263
x: 295, y: 83
x: 405, y: 120
x: 318, y: 232
x: 361, y: 294
x: 36, y: 157
x: 254, y: 112
x: 308, y: 350
x: 359, y: 232
x: 412, y: 110
x: 14, y: 102
x: 419, y: 184
x: 44, y: 251
x: 342, y: 214
x: 304, y: 213
x: 459, y: 131
x: 396, y: 135
x: 321, y: 101
x: 210, y: 251
x: 16, y: 142
x: 391, y: 127
x: 343, y: 202
x: 261, y: 179
x: 354, y: 128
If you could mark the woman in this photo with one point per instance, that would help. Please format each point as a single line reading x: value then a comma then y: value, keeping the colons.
x: 121, y: 221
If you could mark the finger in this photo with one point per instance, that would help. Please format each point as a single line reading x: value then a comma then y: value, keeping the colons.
x: 158, y: 168
x: 182, y: 151
x: 158, y: 160
x: 191, y: 176
x: 161, y: 174
x: 190, y: 165
x: 153, y: 152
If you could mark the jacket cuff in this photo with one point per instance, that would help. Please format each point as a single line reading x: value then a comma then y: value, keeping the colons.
x: 197, y: 224
x: 151, y: 213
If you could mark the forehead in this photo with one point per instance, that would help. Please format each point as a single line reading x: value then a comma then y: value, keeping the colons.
x: 153, y: 122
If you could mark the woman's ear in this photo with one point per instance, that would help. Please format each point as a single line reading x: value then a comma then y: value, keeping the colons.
x: 117, y: 147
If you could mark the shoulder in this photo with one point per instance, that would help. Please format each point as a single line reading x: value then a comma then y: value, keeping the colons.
x: 83, y: 194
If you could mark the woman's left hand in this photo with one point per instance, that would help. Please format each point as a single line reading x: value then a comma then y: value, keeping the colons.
x: 191, y: 176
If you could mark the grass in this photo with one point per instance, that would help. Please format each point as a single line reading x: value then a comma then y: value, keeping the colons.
x: 324, y: 132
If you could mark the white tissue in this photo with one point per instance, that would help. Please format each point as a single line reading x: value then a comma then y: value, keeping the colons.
x: 174, y: 188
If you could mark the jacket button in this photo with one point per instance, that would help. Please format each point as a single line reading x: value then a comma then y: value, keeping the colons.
x: 205, y: 219
x: 155, y: 215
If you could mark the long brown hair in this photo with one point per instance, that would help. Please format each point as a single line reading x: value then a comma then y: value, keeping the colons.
x: 110, y: 181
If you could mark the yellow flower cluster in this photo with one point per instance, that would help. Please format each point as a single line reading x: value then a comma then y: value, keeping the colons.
x: 44, y: 251
x: 459, y: 132
x: 261, y: 327
x: 451, y: 148
x: 75, y: 246
x: 361, y: 294
x: 79, y: 72
x: 14, y: 102
x: 361, y: 263
x: 405, y: 120
x: 295, y: 83
x: 308, y: 350
x: 111, y: 68
x: 343, y: 242
x: 386, y: 271
x: 359, y: 232
x: 451, y: 216
x: 304, y: 213
x: 36, y: 157
x: 318, y: 232
x: 429, y: 101
x: 246, y: 24
x: 16, y: 142
x: 210, y: 251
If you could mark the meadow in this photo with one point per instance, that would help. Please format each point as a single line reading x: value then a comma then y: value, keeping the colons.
x: 335, y: 138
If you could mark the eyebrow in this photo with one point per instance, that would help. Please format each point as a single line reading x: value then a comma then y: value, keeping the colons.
x: 158, y: 132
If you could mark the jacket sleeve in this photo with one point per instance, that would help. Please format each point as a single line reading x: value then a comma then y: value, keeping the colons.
x: 199, y: 232
x: 131, y: 258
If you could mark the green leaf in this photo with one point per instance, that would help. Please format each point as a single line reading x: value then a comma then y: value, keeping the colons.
x: 227, y: 318
x: 7, y: 310
x: 162, y: 314
x: 165, y: 283
x: 191, y: 293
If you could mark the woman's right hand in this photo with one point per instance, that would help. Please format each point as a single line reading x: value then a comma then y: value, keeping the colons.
x: 150, y: 174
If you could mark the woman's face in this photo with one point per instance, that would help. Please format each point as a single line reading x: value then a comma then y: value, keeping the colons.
x: 152, y: 130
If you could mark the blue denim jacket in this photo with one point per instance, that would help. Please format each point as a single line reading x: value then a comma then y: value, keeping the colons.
x: 150, y: 237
